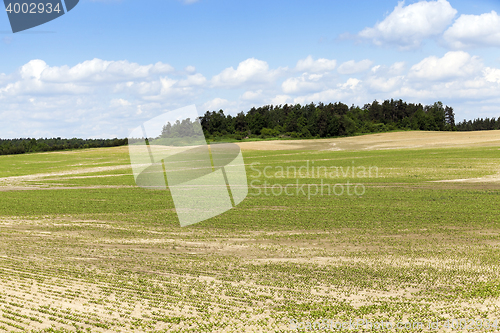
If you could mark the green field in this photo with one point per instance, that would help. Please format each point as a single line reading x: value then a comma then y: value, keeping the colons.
x: 82, y: 249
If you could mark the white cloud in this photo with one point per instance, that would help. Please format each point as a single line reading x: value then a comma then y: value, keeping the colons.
x: 103, y: 100
x: 315, y: 66
x: 397, y: 68
x: 324, y: 95
x: 349, y: 92
x: 452, y: 64
x: 98, y: 70
x: 119, y: 102
x: 106, y: 94
x: 378, y: 84
x: 193, y: 80
x: 216, y: 104
x: 168, y: 88
x: 375, y: 69
x: 492, y: 74
x: 454, y: 78
x: 280, y: 100
x: 33, y: 69
x: 306, y: 82
x: 29, y: 80
x: 352, y: 67
x: 351, y: 83
x: 474, y: 30
x: 408, y: 25
x: 138, y: 88
x: 252, y: 95
x: 249, y: 71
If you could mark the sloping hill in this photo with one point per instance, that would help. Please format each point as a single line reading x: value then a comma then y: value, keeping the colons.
x: 393, y: 140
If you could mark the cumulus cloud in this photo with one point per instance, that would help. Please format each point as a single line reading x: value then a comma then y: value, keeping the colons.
x: 315, y: 66
x: 382, y: 83
x: 352, y: 67
x: 347, y: 92
x: 216, y: 104
x: 281, y: 99
x: 249, y: 71
x: 474, y: 30
x: 106, y: 94
x: 167, y: 85
x: 193, y: 80
x: 408, y: 25
x: 456, y: 76
x: 324, y: 95
x: 29, y: 79
x: 108, y: 98
x: 492, y: 74
x: 384, y: 79
x: 119, y: 102
x: 397, y: 68
x: 98, y: 70
x: 306, y: 82
x: 33, y: 69
x: 452, y: 64
x: 351, y: 83
x: 252, y: 95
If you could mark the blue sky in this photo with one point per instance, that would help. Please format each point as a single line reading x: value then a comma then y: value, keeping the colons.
x: 106, y: 66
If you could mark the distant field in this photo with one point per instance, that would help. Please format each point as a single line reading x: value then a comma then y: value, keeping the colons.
x: 82, y: 249
x: 393, y: 140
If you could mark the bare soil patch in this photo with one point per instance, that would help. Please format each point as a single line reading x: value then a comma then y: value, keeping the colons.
x: 23, y: 183
x: 394, y: 140
x: 64, y: 173
x: 486, y: 179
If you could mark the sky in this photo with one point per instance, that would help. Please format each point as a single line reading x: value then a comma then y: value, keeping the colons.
x: 107, y: 66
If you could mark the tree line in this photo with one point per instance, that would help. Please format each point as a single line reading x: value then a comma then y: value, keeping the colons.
x: 328, y: 120
x: 284, y: 121
x: 479, y: 124
x: 29, y: 145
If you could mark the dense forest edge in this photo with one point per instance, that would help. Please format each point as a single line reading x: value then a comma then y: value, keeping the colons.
x: 21, y: 146
x: 287, y: 122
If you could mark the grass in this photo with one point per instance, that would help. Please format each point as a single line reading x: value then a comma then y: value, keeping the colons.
x: 83, y: 253
x: 27, y: 164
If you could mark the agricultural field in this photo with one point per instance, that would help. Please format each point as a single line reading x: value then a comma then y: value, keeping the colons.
x: 395, y: 227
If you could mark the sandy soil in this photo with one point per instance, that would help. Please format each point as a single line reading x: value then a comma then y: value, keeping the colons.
x: 65, y: 173
x: 486, y: 179
x: 396, y: 140
x: 18, y: 183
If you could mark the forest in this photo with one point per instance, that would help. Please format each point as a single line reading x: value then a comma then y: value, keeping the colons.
x: 328, y: 120
x: 29, y: 145
x: 334, y: 120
